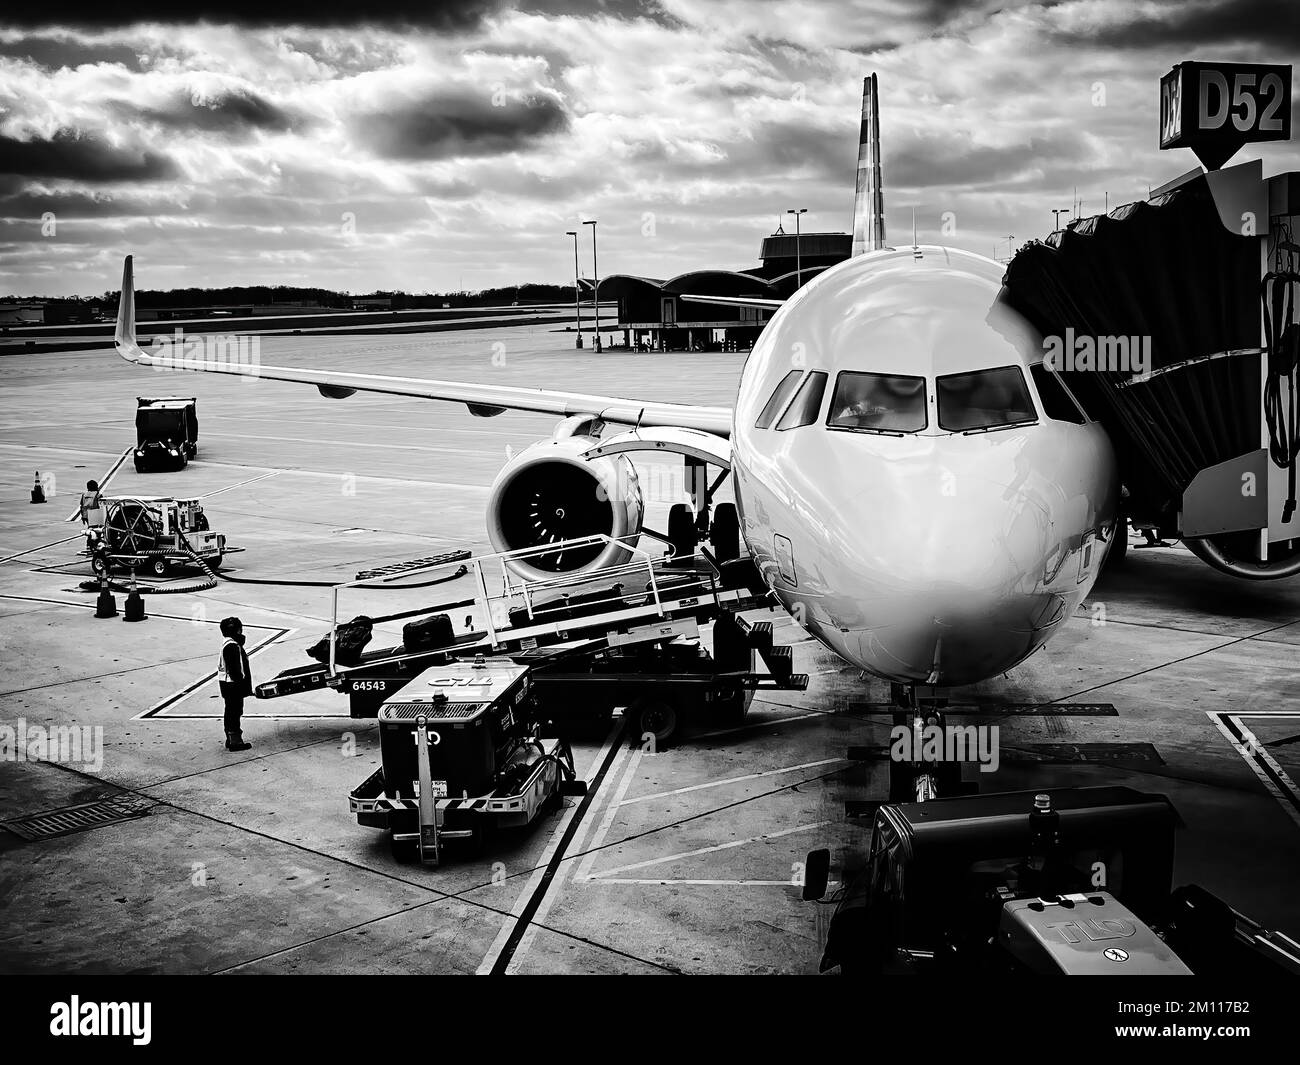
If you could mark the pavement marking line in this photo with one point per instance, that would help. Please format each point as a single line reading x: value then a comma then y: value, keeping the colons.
x: 551, y: 891
x: 354, y: 443
x: 729, y: 845
x: 177, y: 696
x: 580, y: 840
x: 59, y: 450
x: 33, y: 550
x: 403, y: 482
x: 732, y: 780
x: 240, y: 484
x: 695, y: 883
x: 757, y: 724
x: 256, y: 717
x: 207, y: 464
x: 379, y: 424
x: 103, y: 482
x: 1261, y: 763
x: 583, y: 871
x: 172, y: 617
x: 543, y: 872
x: 180, y: 696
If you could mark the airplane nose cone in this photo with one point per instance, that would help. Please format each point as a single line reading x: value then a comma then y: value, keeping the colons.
x: 944, y: 573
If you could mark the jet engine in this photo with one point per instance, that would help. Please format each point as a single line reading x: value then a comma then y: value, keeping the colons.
x: 549, y: 493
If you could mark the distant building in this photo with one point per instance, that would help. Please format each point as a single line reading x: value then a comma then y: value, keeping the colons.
x: 22, y: 313
x: 651, y: 312
x: 372, y: 303
x: 167, y: 314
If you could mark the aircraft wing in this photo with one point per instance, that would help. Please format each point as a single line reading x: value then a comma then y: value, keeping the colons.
x: 482, y: 400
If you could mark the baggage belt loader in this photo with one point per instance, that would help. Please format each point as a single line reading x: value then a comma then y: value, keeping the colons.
x: 625, y: 637
x: 462, y: 755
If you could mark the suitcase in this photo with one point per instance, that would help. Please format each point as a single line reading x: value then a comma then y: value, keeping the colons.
x: 429, y: 633
x: 350, y: 640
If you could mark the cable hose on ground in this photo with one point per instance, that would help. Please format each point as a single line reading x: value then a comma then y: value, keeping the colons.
x: 1281, y: 339
x: 212, y: 577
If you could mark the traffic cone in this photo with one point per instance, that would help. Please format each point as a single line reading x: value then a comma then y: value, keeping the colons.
x: 105, y: 605
x: 38, y: 492
x: 134, y: 604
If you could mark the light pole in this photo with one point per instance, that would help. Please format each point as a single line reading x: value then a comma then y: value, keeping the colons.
x: 577, y: 312
x: 595, y: 271
x: 1056, y: 217
x: 798, y: 247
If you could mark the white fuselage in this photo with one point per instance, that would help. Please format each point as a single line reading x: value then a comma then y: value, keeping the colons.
x: 930, y: 556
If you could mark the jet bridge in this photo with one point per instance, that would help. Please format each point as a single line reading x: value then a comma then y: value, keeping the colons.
x: 1151, y: 316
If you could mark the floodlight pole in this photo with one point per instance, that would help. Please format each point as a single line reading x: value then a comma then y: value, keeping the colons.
x: 577, y: 310
x: 595, y: 270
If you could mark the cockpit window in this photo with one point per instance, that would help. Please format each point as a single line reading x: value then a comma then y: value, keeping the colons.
x: 878, y: 403
x: 773, y: 406
x: 983, y: 399
x: 1058, y: 402
x: 807, y: 402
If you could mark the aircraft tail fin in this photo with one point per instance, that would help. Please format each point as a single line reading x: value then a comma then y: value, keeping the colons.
x: 869, y: 201
x: 124, y: 339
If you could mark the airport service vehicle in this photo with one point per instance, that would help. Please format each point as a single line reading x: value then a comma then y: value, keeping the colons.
x: 625, y: 636
x: 166, y: 432
x: 1059, y: 882
x: 151, y: 534
x: 462, y: 756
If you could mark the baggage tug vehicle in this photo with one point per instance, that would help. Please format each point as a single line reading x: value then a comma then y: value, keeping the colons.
x: 462, y: 754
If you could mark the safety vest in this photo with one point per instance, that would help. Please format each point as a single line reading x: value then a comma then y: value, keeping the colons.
x: 223, y: 674
x: 90, y: 507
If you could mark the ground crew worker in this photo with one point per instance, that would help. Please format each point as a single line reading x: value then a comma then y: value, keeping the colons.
x: 90, y: 511
x: 235, y: 680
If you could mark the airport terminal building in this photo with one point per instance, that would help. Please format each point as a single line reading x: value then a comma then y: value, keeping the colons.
x: 652, y: 315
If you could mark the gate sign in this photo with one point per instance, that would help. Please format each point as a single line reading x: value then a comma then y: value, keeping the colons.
x: 1215, y: 108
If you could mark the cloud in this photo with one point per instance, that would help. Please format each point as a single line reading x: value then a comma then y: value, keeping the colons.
x: 444, y: 126
x: 1179, y: 23
x: 70, y: 153
x: 72, y: 204
x: 955, y: 160
x: 234, y: 111
x: 431, y: 14
x: 57, y: 51
x: 234, y: 150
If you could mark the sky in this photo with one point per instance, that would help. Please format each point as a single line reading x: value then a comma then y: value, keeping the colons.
x: 450, y: 145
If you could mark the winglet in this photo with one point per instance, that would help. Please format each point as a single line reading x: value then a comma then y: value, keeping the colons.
x: 124, y: 339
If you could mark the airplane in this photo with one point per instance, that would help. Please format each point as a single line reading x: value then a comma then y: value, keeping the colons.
x: 899, y: 481
x: 904, y: 487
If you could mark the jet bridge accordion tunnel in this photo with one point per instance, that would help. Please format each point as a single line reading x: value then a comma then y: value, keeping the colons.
x: 1201, y: 284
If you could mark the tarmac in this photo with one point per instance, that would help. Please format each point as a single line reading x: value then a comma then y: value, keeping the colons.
x: 684, y: 860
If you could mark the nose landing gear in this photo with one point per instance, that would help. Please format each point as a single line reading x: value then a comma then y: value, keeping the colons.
x: 927, y: 774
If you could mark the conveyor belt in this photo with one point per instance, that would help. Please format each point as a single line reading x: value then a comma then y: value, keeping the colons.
x: 685, y: 595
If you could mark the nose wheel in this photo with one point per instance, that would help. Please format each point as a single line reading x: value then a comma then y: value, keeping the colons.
x: 924, y: 778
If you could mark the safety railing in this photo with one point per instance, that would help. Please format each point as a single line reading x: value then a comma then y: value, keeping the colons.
x: 497, y: 570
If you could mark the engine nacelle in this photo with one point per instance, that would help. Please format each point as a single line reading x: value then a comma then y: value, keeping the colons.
x: 549, y: 492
